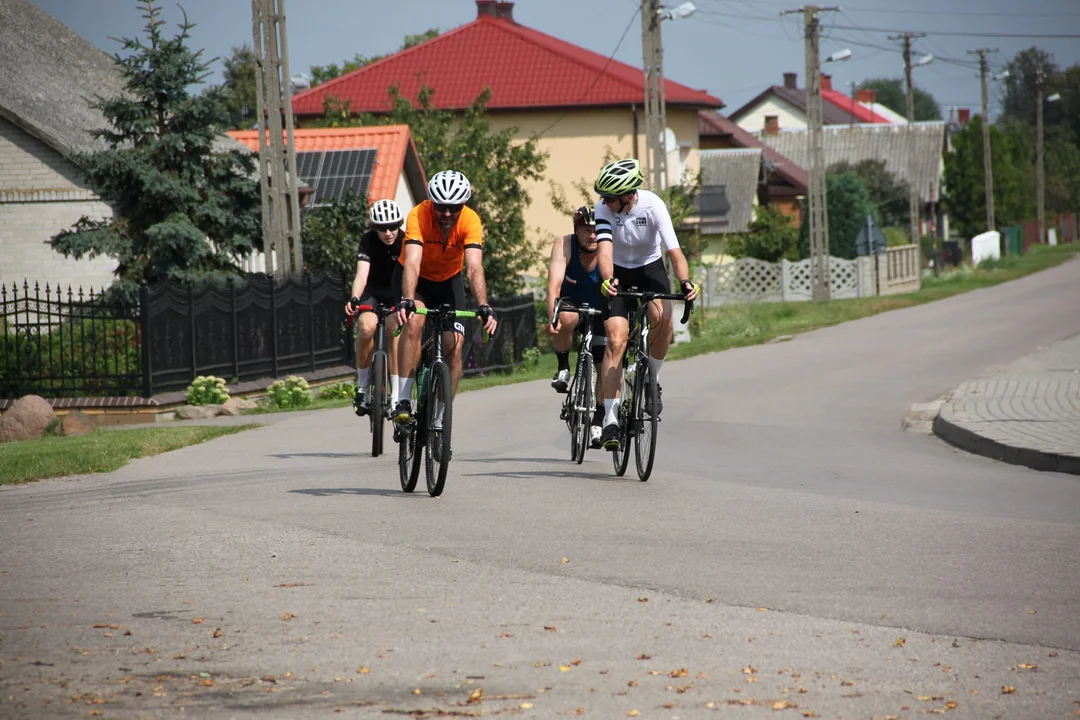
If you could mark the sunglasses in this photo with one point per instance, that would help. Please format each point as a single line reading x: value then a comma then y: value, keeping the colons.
x: 610, y: 198
x: 388, y: 228
x: 451, y: 209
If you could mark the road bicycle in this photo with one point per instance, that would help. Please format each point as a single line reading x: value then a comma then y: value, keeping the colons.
x: 577, y: 408
x: 378, y: 390
x: 641, y: 394
x: 429, y: 431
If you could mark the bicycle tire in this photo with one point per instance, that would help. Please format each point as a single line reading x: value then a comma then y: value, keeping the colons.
x: 377, y: 409
x: 582, y: 411
x: 408, y: 457
x: 646, y: 425
x: 621, y: 457
x: 437, y: 442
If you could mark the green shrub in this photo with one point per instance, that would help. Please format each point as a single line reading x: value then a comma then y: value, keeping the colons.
x: 530, y: 360
x: 341, y: 390
x: 771, y: 238
x: 207, y: 390
x: 292, y: 392
x: 894, y: 236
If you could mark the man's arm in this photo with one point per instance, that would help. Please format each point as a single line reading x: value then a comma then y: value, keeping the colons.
x: 474, y: 270
x: 557, y: 270
x: 410, y: 269
x: 682, y: 269
x: 363, y: 267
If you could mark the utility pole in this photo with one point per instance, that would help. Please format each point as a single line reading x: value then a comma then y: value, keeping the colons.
x: 277, y: 157
x: 914, y: 204
x: 652, y: 48
x: 818, y: 215
x: 988, y: 171
x: 1040, y: 82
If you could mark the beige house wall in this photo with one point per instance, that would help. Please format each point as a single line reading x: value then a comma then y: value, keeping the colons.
x: 788, y: 115
x: 41, y: 195
x: 577, y: 143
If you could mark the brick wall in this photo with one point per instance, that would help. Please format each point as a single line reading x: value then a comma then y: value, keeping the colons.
x: 40, y: 195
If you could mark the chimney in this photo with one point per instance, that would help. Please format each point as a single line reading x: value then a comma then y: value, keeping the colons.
x: 826, y: 82
x: 789, y: 80
x: 504, y: 11
x: 866, y: 96
x: 498, y: 9
x: 772, y: 125
x: 963, y: 115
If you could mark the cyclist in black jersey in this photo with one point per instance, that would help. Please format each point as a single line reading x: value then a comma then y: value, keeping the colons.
x: 376, y: 258
x: 574, y: 275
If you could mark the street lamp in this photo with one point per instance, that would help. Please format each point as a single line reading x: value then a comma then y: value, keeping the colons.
x: 652, y: 14
x: 1040, y: 191
x: 839, y: 56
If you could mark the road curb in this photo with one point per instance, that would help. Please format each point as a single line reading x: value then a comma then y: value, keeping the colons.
x: 959, y: 436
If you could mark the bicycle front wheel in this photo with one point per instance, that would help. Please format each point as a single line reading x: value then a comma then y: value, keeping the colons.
x: 645, y: 420
x: 379, y: 383
x: 409, y: 455
x: 621, y: 457
x: 581, y: 419
x: 438, y: 418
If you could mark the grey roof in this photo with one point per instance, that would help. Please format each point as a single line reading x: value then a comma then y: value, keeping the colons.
x: 738, y: 171
x: 873, y: 142
x: 48, y: 74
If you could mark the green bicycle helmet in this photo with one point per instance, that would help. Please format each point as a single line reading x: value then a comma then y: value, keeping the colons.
x: 619, y: 177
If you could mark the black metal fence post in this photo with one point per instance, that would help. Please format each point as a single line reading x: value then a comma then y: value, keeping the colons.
x: 144, y: 345
x: 273, y: 327
x: 235, y: 330
x: 191, y: 323
x: 311, y: 322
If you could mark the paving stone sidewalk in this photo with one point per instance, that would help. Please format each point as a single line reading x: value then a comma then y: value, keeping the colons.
x: 1027, y: 413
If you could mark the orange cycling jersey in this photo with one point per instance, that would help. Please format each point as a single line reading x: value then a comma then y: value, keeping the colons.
x: 444, y: 257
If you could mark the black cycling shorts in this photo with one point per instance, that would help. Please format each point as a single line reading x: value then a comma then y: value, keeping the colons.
x: 434, y: 294
x: 382, y: 294
x: 648, y: 278
x: 599, y: 341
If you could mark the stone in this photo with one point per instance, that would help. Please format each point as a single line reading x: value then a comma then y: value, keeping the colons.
x: 197, y: 412
x: 77, y: 423
x: 237, y: 405
x: 27, y: 418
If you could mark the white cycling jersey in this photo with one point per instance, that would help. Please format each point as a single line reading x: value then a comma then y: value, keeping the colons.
x: 636, y: 236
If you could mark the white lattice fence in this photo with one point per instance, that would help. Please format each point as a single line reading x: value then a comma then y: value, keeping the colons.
x: 751, y: 280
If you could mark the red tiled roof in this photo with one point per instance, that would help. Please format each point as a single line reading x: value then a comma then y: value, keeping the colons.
x: 524, y: 68
x: 712, y: 123
x: 393, y: 142
x: 860, y: 112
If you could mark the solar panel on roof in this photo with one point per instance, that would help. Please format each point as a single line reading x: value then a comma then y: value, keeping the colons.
x: 332, y: 172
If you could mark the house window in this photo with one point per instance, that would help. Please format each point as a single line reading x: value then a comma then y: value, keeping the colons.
x: 713, y: 203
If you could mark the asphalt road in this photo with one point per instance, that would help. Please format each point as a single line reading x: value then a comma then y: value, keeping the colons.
x: 795, y: 551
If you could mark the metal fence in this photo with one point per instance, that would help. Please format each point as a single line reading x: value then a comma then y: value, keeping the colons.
x: 74, y: 344
x: 56, y: 344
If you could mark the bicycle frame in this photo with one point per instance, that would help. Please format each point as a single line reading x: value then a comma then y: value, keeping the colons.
x: 379, y: 391
x: 577, y: 408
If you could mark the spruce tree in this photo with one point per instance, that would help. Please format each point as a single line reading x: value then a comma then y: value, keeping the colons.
x: 187, y: 203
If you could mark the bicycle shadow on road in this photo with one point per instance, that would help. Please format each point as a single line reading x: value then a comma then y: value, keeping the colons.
x: 332, y: 455
x: 328, y: 492
x: 567, y: 473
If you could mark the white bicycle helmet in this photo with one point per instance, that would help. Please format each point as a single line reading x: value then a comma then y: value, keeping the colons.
x: 385, y: 212
x: 449, y: 187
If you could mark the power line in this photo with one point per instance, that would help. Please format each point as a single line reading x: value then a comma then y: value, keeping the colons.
x: 598, y: 75
x: 947, y: 33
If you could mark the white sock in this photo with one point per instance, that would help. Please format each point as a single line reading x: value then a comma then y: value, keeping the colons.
x: 656, y: 365
x: 395, y: 381
x: 362, y: 378
x: 406, y: 388
x: 611, y: 412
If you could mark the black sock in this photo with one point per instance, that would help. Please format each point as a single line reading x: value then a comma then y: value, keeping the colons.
x: 564, y: 359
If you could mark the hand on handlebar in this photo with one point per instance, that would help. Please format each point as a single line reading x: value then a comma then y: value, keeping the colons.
x: 406, y: 308
x: 690, y: 290
x: 350, y: 306
x: 610, y: 287
x: 487, y: 316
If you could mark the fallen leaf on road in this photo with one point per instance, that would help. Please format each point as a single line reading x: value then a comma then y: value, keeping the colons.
x: 550, y: 628
x: 539, y: 664
x: 952, y: 705
x: 196, y: 621
x: 1031, y: 612
x: 749, y: 670
x: 643, y: 656
x: 507, y: 635
x: 702, y: 676
x: 1007, y: 690
x: 846, y: 683
x: 899, y: 642
x: 564, y: 668
x: 669, y: 706
x: 1027, y: 666
x: 416, y: 691
x: 565, y: 560
x: 708, y: 600
x: 525, y: 706
x: 632, y: 713
x: 681, y: 672
x: 179, y: 656
x: 575, y: 661
x: 363, y: 670
x: 632, y: 683
x: 217, y: 632
x: 103, y: 626
x: 783, y: 705
x: 810, y: 714
x: 643, y: 599
x: 710, y: 705
x: 476, y: 695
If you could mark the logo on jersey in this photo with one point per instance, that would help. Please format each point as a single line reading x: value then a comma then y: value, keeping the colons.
x: 618, y: 219
x: 641, y: 222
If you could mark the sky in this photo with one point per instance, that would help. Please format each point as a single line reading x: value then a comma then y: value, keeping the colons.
x: 734, y: 49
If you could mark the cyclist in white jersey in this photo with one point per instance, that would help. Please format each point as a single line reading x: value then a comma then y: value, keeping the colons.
x: 632, y: 229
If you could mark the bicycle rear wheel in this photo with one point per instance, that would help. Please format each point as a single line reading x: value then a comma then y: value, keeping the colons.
x: 581, y: 420
x: 645, y: 423
x: 409, y: 454
x: 377, y: 410
x: 438, y: 433
x: 621, y: 457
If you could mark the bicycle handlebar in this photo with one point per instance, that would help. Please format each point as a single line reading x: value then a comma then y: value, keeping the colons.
x: 580, y: 310
x: 648, y: 296
x: 441, y: 312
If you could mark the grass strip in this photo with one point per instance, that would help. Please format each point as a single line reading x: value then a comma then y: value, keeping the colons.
x: 101, y: 451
